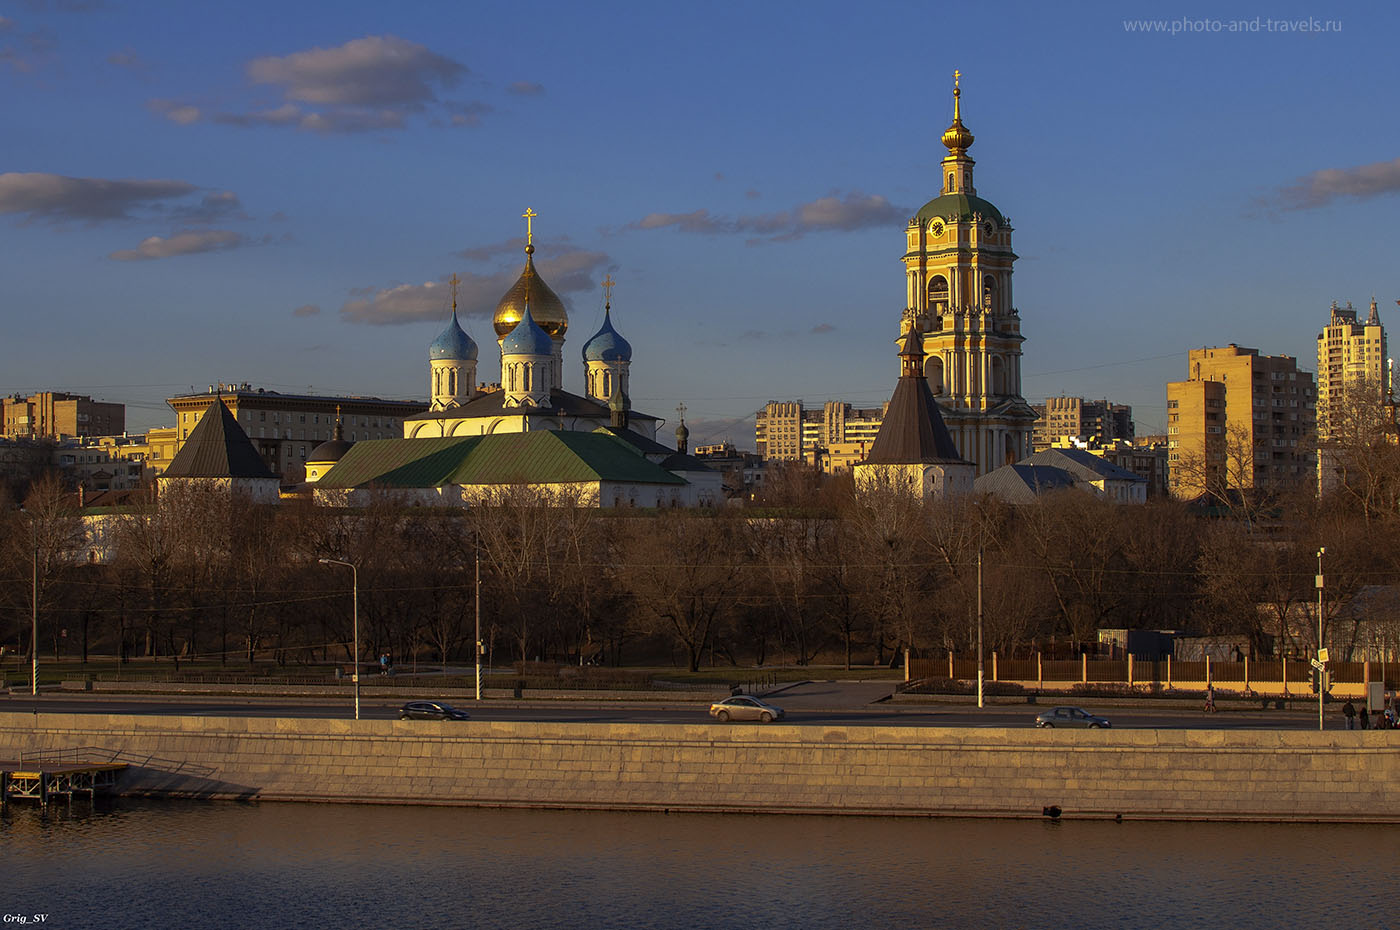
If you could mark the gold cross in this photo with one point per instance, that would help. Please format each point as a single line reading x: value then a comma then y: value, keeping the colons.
x: 681, y: 409
x: 454, y: 281
x: 956, y: 75
x: 608, y: 284
x: 529, y: 215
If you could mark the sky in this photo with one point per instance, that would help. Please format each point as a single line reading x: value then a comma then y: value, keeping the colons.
x: 277, y: 193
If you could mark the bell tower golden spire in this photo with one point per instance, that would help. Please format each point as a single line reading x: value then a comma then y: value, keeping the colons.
x: 957, y: 137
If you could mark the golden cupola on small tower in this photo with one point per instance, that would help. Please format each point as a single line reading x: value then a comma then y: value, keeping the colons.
x: 545, y: 306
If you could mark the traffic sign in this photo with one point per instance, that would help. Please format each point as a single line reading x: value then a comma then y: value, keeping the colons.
x: 1318, y: 665
x: 1322, y: 654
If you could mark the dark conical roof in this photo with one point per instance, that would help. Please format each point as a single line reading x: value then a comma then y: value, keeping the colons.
x: 913, y: 430
x: 217, y: 448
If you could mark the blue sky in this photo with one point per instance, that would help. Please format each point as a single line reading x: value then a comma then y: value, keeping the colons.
x: 275, y: 192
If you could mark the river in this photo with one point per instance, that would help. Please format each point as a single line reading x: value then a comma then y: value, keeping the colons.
x: 157, y: 864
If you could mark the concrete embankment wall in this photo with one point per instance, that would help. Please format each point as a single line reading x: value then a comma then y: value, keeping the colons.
x: 1215, y: 774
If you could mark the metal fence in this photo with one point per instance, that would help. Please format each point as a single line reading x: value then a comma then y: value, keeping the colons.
x: 1287, y: 674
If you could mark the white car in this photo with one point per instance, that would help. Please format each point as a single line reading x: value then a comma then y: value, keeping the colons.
x: 744, y: 707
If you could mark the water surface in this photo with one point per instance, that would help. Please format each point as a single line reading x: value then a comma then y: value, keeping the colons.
x: 160, y: 864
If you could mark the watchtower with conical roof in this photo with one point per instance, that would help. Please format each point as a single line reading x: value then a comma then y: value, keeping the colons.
x: 958, y: 263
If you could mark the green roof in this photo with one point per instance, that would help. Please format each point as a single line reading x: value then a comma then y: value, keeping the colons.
x: 959, y: 206
x: 541, y: 457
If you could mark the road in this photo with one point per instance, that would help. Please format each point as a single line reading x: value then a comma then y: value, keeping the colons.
x: 802, y: 710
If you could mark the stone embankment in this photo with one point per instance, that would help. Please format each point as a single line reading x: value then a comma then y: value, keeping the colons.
x: 1164, y: 774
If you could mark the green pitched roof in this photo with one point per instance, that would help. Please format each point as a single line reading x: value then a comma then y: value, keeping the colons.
x: 542, y: 457
x: 959, y: 206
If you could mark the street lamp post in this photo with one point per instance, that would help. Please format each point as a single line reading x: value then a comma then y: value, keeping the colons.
x: 478, y: 620
x: 34, y: 628
x: 979, y: 627
x: 355, y: 613
x: 1321, y: 662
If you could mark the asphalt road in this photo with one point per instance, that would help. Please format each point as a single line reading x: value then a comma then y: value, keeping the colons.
x: 799, y: 713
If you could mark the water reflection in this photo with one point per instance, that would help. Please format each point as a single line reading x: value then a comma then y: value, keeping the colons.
x: 217, y: 865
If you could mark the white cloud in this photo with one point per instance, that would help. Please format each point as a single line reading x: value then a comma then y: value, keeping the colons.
x: 181, y: 113
x: 525, y: 89
x: 841, y: 212
x: 572, y: 271
x: 307, y: 310
x: 375, y: 71
x: 56, y: 197
x: 185, y: 242
x: 1322, y: 187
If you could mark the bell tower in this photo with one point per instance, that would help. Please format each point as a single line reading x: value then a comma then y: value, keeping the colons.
x: 958, y: 266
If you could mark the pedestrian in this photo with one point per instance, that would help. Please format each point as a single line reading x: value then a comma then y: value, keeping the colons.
x: 1210, y: 699
x: 1349, y: 712
x: 1365, y: 720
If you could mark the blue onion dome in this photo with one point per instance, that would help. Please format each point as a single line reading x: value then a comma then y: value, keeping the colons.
x: 527, y: 338
x: 453, y: 345
x: 607, y: 345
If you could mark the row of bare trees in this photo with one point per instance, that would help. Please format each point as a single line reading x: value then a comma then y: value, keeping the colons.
x: 819, y: 574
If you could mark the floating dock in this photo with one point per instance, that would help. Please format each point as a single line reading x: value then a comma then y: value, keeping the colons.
x: 42, y: 781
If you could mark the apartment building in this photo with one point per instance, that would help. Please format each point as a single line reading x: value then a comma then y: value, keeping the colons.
x: 57, y: 415
x: 286, y: 427
x: 1091, y: 420
x: 837, y: 433
x: 1240, y: 421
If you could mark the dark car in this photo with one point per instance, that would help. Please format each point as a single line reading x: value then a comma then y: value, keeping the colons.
x: 1071, y: 717
x: 430, y: 710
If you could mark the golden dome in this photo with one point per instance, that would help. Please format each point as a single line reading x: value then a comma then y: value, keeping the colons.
x: 545, y: 305
x: 957, y: 137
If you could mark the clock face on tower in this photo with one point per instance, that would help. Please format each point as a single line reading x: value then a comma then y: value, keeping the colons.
x: 936, y: 228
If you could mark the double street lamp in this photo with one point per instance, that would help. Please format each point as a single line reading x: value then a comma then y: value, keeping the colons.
x: 355, y: 608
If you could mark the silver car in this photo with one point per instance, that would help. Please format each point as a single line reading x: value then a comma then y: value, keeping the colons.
x: 1071, y: 717
x: 744, y: 707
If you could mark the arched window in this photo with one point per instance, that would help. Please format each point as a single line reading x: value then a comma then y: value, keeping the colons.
x: 437, y: 381
x: 510, y: 378
x: 524, y: 377
x: 607, y: 384
x: 938, y: 294
x: 452, y: 381
x: 950, y: 181
x: 933, y: 373
x: 998, y: 375
x: 989, y: 292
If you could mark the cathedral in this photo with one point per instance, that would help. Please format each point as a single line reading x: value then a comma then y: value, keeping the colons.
x: 527, y: 431
x: 529, y: 323
x: 957, y: 264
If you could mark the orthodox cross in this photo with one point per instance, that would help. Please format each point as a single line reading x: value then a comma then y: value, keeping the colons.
x: 680, y: 411
x: 608, y: 285
x: 454, y: 281
x: 529, y: 215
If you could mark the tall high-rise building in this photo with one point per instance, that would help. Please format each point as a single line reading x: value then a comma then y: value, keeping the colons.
x: 958, y: 264
x: 1240, y: 421
x: 1096, y: 420
x: 1351, y: 365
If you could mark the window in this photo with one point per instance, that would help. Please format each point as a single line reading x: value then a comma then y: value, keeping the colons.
x: 938, y: 293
